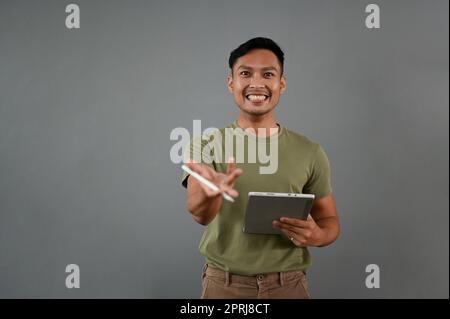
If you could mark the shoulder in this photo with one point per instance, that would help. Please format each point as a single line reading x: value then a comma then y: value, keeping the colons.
x: 300, y: 140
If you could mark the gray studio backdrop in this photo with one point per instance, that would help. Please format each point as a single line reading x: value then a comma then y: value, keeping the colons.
x: 86, y: 114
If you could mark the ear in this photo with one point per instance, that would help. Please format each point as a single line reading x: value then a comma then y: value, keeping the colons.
x: 230, y: 83
x: 283, y: 84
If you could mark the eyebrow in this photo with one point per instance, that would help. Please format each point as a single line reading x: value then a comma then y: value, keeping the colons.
x: 268, y: 68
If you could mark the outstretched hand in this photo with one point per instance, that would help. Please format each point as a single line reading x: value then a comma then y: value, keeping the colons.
x: 225, y: 182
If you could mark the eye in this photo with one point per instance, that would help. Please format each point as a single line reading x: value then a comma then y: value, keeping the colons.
x: 268, y: 74
x: 244, y: 73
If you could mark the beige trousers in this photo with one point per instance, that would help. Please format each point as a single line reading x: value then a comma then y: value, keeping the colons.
x: 219, y: 284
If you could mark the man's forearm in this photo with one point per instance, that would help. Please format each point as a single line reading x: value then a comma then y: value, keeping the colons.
x: 330, y: 230
x: 202, y: 207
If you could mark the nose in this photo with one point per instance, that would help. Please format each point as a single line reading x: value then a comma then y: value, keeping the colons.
x: 256, y: 81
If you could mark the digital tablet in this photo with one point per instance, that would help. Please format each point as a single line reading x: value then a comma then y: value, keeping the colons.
x: 263, y: 208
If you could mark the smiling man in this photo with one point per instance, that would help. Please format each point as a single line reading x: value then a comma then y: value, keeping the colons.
x: 241, y: 265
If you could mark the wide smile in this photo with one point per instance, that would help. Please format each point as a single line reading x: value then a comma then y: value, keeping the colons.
x: 257, y: 98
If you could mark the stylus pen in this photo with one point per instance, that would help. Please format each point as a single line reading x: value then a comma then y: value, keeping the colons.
x: 204, y: 181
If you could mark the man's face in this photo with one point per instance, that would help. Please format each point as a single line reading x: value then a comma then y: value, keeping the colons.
x: 256, y: 82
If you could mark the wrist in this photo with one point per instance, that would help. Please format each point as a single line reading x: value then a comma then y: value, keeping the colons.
x: 320, y: 238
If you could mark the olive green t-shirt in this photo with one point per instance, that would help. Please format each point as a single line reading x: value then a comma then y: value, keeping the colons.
x: 302, y: 167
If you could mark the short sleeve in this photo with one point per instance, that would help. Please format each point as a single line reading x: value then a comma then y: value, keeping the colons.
x: 198, y: 150
x: 319, y: 181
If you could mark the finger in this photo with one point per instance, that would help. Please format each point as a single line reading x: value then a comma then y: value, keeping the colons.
x: 201, y: 169
x: 209, y: 192
x: 231, y: 166
x: 229, y: 179
x: 229, y: 190
x: 196, y: 167
x: 296, y: 222
x: 286, y: 227
x: 283, y: 226
x: 292, y: 237
x: 189, y: 163
x: 303, y: 232
x: 287, y: 233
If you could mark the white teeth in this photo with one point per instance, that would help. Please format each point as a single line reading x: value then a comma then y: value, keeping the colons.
x: 253, y: 97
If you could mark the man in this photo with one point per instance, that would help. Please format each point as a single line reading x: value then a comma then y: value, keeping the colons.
x: 241, y: 265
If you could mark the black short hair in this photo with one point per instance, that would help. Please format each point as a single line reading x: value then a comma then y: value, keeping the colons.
x: 256, y: 43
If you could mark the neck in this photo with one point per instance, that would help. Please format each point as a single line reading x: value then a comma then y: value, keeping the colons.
x: 261, y: 124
